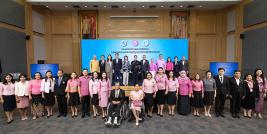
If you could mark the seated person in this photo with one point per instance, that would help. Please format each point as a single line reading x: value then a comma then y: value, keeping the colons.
x: 136, y: 97
x: 117, y: 97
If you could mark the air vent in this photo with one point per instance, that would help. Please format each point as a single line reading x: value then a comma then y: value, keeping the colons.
x: 96, y: 6
x: 152, y: 6
x: 76, y: 6
x: 172, y: 6
x: 114, y: 6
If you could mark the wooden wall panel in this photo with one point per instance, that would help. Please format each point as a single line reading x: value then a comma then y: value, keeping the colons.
x: 62, y: 23
x: 206, y: 22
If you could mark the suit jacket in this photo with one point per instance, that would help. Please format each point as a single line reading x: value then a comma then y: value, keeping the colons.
x: 222, y: 88
x: 185, y: 66
x: 135, y: 66
x: 176, y: 67
x: 102, y: 66
x: 236, y: 90
x: 254, y: 93
x: 108, y: 67
x: 144, y: 67
x: 60, y: 88
x: 117, y: 65
x: 120, y: 98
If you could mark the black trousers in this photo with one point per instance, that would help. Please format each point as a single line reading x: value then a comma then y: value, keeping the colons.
x: 143, y: 75
x: 219, y: 103
x: 135, y: 78
x: 235, y: 104
x: 114, y: 108
x: 117, y: 76
x: 62, y: 104
x: 86, y: 104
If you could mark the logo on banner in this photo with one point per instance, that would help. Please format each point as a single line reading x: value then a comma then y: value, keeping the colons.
x: 135, y: 43
x: 146, y: 43
x: 123, y: 43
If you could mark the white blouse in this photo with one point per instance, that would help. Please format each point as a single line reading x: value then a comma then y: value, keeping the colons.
x: 21, y: 89
x: 48, y: 85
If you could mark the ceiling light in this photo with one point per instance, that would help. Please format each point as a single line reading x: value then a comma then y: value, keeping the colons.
x: 47, y: 6
x: 143, y: 6
x: 66, y: 6
x: 162, y: 6
x: 181, y: 6
x: 200, y: 6
x: 105, y: 6
x: 123, y: 6
x: 85, y: 6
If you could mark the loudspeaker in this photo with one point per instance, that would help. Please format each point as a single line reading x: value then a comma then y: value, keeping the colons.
x: 28, y: 37
x: 242, y: 36
x: 41, y: 62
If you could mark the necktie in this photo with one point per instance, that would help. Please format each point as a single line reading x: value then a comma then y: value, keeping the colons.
x: 221, y: 79
x: 59, y: 80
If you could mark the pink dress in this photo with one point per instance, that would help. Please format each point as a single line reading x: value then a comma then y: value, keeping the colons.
x: 105, y: 88
x: 169, y: 66
x: 136, y: 98
x: 21, y: 91
x: 161, y: 81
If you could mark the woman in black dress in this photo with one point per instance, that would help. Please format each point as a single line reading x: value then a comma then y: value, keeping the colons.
x: 251, y: 93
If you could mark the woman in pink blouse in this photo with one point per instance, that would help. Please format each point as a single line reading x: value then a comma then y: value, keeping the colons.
x: 36, y: 96
x: 105, y: 88
x: 94, y: 88
x: 169, y: 66
x: 73, y: 94
x: 7, y: 96
x: 161, y: 80
x: 172, y: 92
x: 136, y: 97
x: 198, y: 94
x: 153, y: 67
x: 185, y: 93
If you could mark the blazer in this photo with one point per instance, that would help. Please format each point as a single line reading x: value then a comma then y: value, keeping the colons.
x: 144, y: 66
x: 60, y: 88
x: 135, y: 66
x: 254, y: 93
x: 121, y: 97
x: 185, y: 66
x: 102, y: 66
x: 117, y: 66
x: 176, y: 67
x: 222, y: 88
x: 236, y: 90
x: 108, y: 67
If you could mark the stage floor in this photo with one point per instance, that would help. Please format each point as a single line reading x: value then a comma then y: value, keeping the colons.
x: 157, y: 125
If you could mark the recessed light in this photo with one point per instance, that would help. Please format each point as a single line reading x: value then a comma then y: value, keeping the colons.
x: 181, y: 6
x: 143, y: 6
x: 47, y: 6
x: 123, y: 6
x: 66, y: 6
x: 200, y: 6
x: 85, y: 6
x: 162, y: 6
x: 105, y: 6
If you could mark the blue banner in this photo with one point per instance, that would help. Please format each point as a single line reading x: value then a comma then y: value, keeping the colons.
x: 229, y: 67
x: 130, y: 47
x: 42, y: 68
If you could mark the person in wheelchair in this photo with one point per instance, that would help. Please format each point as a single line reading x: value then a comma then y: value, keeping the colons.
x: 117, y: 98
x: 136, y: 98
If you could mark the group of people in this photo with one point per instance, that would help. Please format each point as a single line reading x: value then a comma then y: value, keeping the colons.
x: 118, y: 69
x: 165, y: 86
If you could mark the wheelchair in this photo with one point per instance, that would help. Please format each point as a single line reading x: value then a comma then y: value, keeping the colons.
x: 131, y: 115
x: 124, y: 113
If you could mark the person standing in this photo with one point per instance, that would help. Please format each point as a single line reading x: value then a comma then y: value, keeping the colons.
x: 161, y: 80
x: 169, y: 66
x: 7, y: 96
x: 94, y: 65
x: 126, y: 67
x: 153, y: 68
x: 144, y: 67
x: 172, y: 92
x: 209, y: 92
x: 102, y: 63
x: 135, y: 68
x: 84, y: 92
x: 105, y: 89
x: 109, y: 68
x: 236, y: 93
x: 176, y: 67
x: 117, y: 65
x: 198, y: 94
x: 161, y: 62
x: 222, y: 91
x: 261, y: 81
x: 47, y: 89
x: 185, y: 93
x: 150, y: 89
x: 94, y: 88
x: 184, y: 65
x: 22, y: 96
x: 60, y: 86
x: 250, y: 95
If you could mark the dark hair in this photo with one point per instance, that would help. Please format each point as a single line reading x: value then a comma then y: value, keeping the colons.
x: 221, y: 69
x: 135, y: 55
x: 110, y: 57
x: 93, y: 79
x: 73, y: 73
x: 175, y: 57
x: 46, y: 75
x: 208, y: 72
x: 160, y: 54
x: 116, y: 53
x: 168, y: 59
x: 5, y: 81
x: 236, y: 71
x: 22, y: 75
x: 148, y: 73
x: 60, y: 70
x: 126, y: 57
x: 195, y: 78
x: 102, y: 77
x: 173, y: 77
x: 255, y: 75
x: 85, y: 69
x: 39, y: 74
x: 160, y: 68
x: 103, y: 55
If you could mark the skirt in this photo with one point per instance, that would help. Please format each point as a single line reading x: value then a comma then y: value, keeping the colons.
x: 23, y: 102
x: 149, y: 100
x: 37, y: 100
x: 95, y: 100
x: 161, y: 97
x: 184, y: 107
x: 198, y: 100
x: 208, y: 98
x: 9, y: 102
x: 49, y: 99
x: 248, y: 103
x: 171, y: 98
x: 74, y: 99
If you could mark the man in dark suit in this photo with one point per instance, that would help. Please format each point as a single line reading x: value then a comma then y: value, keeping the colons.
x: 102, y: 65
x: 135, y: 68
x: 184, y: 65
x: 222, y: 90
x: 236, y: 93
x: 117, y: 98
x: 60, y: 86
x: 176, y: 68
x: 144, y: 67
x: 117, y: 65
